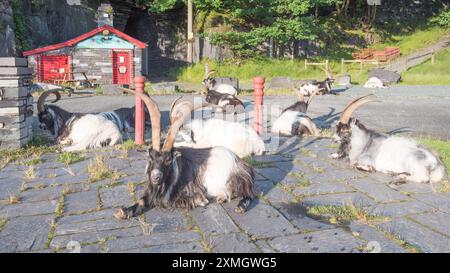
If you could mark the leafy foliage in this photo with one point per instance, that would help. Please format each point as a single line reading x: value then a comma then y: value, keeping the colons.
x: 442, y: 19
x: 20, y: 26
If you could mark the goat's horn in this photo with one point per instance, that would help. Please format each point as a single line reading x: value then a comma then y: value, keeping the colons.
x: 300, y: 95
x: 178, y: 115
x: 43, y: 97
x: 172, y: 106
x: 313, y: 94
x: 155, y: 117
x: 311, y: 127
x: 327, y: 71
x: 210, y: 73
x: 348, y: 111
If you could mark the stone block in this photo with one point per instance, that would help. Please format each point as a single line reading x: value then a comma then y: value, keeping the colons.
x: 14, y: 62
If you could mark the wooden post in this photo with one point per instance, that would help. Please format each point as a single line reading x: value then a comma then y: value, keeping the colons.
x: 306, y: 67
x: 432, y: 57
x: 326, y: 64
x: 258, y: 95
x: 139, y: 115
x: 190, y: 34
x: 342, y: 66
x: 360, y: 66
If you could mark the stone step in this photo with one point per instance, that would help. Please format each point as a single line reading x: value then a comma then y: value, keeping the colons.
x: 16, y: 71
x: 13, y: 62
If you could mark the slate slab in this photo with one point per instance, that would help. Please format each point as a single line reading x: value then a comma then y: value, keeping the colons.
x: 400, y: 209
x: 115, y: 197
x: 378, y: 191
x: 322, y: 188
x: 94, y: 226
x: 166, y: 220
x: 28, y: 209
x: 232, y: 243
x: 377, y: 242
x: 156, y: 239
x: 80, y: 202
x: 417, y: 235
x: 385, y: 75
x: 296, y: 213
x: 435, y: 220
x: 439, y: 201
x: 213, y: 219
x: 25, y: 234
x: 333, y: 240
x: 261, y: 221
x: 341, y: 199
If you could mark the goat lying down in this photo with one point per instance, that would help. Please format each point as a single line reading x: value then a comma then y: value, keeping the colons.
x: 318, y: 87
x: 223, y: 88
x: 241, y: 139
x: 184, y: 177
x: 227, y: 103
x: 372, y: 151
x: 81, y: 130
x: 294, y: 121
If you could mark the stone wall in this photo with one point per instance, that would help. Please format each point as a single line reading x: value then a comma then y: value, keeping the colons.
x: 16, y: 103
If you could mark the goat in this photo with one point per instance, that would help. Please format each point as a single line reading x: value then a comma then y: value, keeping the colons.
x: 228, y: 101
x: 294, y: 121
x: 184, y: 177
x: 211, y: 84
x: 242, y: 140
x: 369, y: 150
x: 83, y: 130
x: 319, y: 87
x: 374, y: 82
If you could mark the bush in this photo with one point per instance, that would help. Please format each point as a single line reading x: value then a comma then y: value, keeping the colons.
x: 442, y: 19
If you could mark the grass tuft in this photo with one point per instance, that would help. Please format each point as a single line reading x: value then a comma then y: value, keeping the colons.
x: 70, y: 158
x: 98, y: 170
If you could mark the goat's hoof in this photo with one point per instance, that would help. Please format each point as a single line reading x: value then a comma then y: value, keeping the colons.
x: 334, y: 156
x: 121, y: 214
x: 240, y: 209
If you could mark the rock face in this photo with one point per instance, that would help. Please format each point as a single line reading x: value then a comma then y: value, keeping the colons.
x: 384, y: 75
x: 7, y: 37
x: 55, y: 21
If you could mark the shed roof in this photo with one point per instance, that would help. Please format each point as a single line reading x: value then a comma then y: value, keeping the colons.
x: 84, y: 37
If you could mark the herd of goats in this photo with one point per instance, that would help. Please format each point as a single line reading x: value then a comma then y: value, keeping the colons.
x: 209, y: 165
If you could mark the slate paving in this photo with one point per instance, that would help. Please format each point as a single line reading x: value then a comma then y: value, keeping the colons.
x: 68, y: 213
x: 61, y: 209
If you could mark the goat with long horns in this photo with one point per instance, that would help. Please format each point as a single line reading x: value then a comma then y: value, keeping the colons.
x: 185, y: 177
x: 369, y: 150
x: 82, y: 130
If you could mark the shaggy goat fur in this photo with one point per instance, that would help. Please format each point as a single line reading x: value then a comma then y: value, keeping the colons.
x: 241, y: 139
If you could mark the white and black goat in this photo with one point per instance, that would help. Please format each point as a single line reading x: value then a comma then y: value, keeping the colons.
x: 223, y: 88
x: 369, y: 150
x: 318, y: 87
x: 294, y: 121
x: 82, y: 130
x: 222, y: 95
x: 239, y: 138
x: 184, y: 177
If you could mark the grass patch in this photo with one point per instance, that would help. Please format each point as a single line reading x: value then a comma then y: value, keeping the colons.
x: 33, y: 161
x: 302, y: 181
x: 3, y: 221
x: 431, y: 74
x: 257, y: 164
x: 34, y: 149
x: 343, y: 214
x: 29, y: 173
x: 98, y: 170
x: 129, y: 145
x: 13, y: 199
x: 70, y: 158
x: 442, y: 147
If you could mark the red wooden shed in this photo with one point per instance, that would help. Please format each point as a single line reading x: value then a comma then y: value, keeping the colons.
x: 104, y: 54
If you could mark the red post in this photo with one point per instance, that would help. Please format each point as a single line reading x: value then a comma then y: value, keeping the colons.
x: 139, y: 115
x: 258, y: 94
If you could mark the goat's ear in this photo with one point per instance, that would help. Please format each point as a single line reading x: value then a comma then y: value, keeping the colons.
x: 176, y: 154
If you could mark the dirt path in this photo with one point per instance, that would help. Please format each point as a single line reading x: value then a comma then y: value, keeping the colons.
x: 418, y: 57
